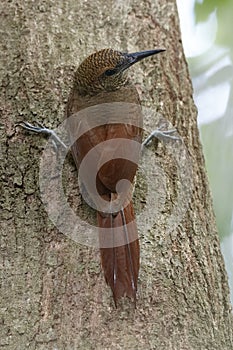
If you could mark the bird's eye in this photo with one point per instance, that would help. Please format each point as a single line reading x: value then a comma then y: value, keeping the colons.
x: 110, y: 72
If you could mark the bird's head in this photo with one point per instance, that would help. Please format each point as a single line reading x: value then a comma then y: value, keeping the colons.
x: 105, y: 70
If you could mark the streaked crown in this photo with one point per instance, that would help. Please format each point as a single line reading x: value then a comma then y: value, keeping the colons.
x: 101, y: 71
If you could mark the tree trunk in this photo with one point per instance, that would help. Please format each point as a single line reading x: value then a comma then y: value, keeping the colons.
x: 53, y: 294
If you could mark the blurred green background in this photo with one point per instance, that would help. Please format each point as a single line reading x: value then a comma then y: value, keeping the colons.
x: 206, y: 27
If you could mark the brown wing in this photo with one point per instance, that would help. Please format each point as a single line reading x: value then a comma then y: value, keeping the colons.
x: 105, y: 118
x: 122, y: 155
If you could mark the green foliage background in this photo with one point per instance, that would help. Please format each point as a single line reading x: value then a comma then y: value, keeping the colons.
x: 217, y: 135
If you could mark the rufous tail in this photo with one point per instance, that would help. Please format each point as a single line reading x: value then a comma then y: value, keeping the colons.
x: 119, y: 249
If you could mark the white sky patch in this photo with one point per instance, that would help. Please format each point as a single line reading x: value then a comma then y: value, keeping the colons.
x: 197, y: 38
x: 212, y: 99
x: 209, y: 98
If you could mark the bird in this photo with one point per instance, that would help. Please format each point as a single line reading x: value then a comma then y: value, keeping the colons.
x: 104, y: 110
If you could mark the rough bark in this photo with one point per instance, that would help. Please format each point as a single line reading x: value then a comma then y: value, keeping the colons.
x: 53, y: 294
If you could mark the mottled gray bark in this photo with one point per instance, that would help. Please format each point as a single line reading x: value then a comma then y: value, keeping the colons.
x: 53, y: 294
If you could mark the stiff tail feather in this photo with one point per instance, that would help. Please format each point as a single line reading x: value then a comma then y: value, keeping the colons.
x: 119, y: 249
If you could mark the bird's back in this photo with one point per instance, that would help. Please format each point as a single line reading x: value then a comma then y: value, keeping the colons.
x: 103, y: 117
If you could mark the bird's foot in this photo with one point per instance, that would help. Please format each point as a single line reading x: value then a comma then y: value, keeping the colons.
x: 40, y: 129
x: 162, y: 135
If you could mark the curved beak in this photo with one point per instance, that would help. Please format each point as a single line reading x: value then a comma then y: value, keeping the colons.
x: 132, y: 58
